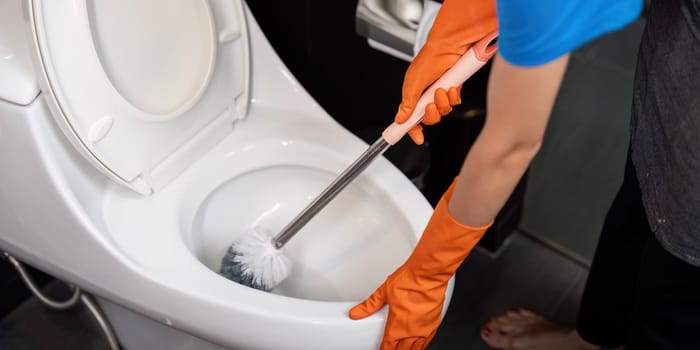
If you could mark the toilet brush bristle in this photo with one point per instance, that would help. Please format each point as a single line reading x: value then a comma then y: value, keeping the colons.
x: 253, y: 261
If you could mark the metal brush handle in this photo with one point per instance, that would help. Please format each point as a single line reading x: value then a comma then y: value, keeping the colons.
x: 345, y: 178
x: 464, y: 68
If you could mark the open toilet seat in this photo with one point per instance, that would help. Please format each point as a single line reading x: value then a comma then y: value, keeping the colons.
x: 142, y: 89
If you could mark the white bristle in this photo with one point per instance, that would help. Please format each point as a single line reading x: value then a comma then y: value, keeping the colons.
x: 258, y: 258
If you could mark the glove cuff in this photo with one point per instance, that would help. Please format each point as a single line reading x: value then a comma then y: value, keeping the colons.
x: 444, y: 204
x: 445, y: 243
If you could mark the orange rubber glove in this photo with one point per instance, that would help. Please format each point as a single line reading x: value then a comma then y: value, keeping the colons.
x: 415, y: 292
x: 458, y: 25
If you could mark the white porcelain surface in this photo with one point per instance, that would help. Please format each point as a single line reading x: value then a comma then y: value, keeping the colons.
x: 150, y: 254
x: 160, y: 73
x: 18, y: 83
x: 264, y: 174
x: 135, y: 331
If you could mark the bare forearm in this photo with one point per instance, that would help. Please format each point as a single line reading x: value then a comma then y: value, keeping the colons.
x: 520, y: 101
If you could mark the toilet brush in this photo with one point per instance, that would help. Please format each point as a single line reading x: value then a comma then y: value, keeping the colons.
x: 256, y: 258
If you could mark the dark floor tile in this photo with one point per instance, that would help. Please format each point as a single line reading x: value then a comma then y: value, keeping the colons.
x: 524, y: 274
x: 566, y: 311
x: 32, y: 326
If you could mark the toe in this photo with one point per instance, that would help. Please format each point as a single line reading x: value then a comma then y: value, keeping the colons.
x: 493, y: 339
x: 514, y: 315
x: 506, y: 325
x: 528, y: 313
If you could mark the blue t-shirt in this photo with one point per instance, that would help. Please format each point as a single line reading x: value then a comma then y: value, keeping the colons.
x: 534, y: 32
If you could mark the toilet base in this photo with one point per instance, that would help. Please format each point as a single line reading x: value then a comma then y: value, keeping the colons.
x: 137, y: 332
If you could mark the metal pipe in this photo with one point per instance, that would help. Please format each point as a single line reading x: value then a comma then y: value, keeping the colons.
x: 101, y: 320
x: 78, y: 295
x: 57, y: 305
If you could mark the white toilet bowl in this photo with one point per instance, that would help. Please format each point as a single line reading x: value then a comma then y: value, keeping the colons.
x: 149, y: 246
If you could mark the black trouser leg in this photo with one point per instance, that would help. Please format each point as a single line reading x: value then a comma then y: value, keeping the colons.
x: 666, y: 312
x: 608, y: 297
x: 637, y: 293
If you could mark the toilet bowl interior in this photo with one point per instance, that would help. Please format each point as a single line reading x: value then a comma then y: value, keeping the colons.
x: 341, y: 255
x: 269, y: 168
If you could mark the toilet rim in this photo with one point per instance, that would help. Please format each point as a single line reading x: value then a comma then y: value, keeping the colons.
x: 182, y: 196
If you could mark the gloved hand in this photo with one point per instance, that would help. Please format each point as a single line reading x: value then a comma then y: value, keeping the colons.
x: 458, y: 25
x: 415, y: 292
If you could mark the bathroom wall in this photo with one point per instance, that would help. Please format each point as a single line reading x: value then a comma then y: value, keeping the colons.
x: 316, y: 39
x: 579, y: 169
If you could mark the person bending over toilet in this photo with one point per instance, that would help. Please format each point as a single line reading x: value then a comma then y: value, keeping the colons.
x: 643, y: 290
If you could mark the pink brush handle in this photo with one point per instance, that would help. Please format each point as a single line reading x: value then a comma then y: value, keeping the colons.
x: 475, y: 58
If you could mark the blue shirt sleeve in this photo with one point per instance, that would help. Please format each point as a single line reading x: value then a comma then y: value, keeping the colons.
x: 534, y: 32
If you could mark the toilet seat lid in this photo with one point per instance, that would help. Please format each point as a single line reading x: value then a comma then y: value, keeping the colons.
x: 142, y: 88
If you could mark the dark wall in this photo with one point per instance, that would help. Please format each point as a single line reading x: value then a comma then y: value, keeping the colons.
x: 358, y: 86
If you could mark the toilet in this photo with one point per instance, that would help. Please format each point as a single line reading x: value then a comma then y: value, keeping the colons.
x: 138, y: 139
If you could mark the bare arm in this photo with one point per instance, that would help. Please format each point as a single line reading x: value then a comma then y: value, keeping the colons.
x: 519, y: 103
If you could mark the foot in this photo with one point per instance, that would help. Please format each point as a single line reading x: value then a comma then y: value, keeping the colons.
x: 525, y: 330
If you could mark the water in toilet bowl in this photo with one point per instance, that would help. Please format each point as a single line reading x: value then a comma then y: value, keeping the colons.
x: 341, y: 255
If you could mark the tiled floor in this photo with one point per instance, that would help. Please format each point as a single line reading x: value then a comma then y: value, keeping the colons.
x: 33, y: 326
x: 523, y: 274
